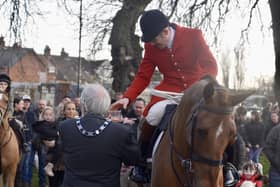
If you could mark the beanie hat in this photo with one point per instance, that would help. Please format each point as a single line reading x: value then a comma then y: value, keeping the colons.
x: 7, y: 79
x: 152, y: 23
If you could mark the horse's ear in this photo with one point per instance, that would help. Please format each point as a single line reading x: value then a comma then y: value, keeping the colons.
x: 238, y: 97
x: 208, y: 91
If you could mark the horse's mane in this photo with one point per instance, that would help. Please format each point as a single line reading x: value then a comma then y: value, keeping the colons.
x: 210, y: 78
x: 194, y: 93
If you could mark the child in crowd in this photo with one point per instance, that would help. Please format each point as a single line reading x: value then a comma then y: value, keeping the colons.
x: 46, y: 128
x: 250, y: 176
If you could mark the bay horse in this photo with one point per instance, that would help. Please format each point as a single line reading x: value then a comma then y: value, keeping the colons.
x: 191, y: 150
x: 9, y: 149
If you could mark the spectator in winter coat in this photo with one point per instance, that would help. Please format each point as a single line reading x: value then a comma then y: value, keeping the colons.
x: 272, y: 152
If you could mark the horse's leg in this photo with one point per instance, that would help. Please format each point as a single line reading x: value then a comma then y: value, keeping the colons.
x: 4, y: 179
x: 13, y: 175
x: 9, y: 176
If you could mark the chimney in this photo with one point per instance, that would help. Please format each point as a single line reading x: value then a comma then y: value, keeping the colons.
x: 47, y: 51
x: 17, y: 45
x: 2, y: 42
x: 63, y: 53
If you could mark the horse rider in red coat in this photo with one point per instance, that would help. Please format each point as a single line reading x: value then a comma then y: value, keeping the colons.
x: 180, y: 54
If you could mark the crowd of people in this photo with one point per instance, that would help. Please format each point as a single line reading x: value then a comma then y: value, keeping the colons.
x: 259, y: 130
x: 43, y: 128
x: 39, y: 137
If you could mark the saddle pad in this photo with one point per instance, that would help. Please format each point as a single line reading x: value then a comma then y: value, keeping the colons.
x: 164, y: 122
x: 162, y: 127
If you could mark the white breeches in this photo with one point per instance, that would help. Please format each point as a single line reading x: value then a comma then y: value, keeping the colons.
x: 156, y: 112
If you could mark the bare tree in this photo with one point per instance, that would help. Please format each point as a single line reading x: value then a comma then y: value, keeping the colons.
x: 125, y: 48
x: 18, y: 13
x: 239, y: 66
x: 225, y: 64
x: 126, y: 51
x: 264, y: 85
x: 275, y: 14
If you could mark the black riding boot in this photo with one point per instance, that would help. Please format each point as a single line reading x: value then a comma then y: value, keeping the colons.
x: 231, y: 176
x: 20, y: 135
x: 139, y: 174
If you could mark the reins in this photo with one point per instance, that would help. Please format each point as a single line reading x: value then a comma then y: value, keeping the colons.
x: 186, y: 163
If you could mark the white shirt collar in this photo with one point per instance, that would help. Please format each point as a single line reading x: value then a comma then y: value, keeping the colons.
x: 171, y: 38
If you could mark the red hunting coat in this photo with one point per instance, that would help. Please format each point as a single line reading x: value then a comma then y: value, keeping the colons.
x: 187, y: 61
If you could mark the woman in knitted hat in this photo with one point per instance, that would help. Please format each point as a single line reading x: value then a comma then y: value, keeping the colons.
x: 5, y: 83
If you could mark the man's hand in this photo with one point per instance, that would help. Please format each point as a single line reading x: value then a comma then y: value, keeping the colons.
x: 122, y: 103
x: 129, y: 121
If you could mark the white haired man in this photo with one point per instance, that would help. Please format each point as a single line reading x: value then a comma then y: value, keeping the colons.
x: 93, y: 147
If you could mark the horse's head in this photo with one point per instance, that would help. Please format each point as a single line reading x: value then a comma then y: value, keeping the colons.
x: 210, y: 128
x: 214, y: 114
x: 4, y: 104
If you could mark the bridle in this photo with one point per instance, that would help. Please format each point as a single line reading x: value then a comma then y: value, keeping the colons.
x: 186, y: 163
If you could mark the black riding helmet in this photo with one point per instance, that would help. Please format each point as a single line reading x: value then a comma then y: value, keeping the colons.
x: 7, y: 79
x: 152, y: 23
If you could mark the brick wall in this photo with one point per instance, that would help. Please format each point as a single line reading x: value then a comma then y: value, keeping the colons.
x: 27, y: 69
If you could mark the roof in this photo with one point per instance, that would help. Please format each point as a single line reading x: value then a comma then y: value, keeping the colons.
x: 67, y: 68
x: 9, y: 56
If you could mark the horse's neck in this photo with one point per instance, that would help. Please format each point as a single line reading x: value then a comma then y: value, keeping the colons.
x: 179, y: 123
x: 5, y: 123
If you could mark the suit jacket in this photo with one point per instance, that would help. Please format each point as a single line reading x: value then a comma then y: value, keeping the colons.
x: 187, y: 61
x: 96, y: 161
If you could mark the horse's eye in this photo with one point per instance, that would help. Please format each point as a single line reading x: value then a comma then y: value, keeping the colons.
x: 202, y: 132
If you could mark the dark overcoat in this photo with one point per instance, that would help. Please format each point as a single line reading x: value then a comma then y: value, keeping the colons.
x: 95, y: 161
